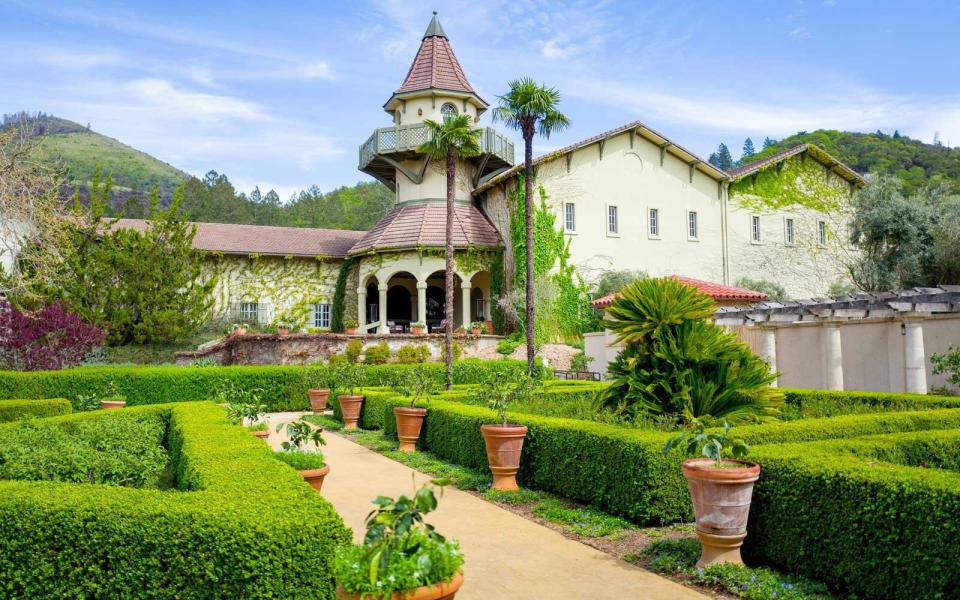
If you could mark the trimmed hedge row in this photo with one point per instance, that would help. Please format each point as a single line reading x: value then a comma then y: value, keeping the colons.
x: 874, y: 529
x: 243, y: 524
x: 834, y: 402
x: 283, y: 386
x: 16, y: 409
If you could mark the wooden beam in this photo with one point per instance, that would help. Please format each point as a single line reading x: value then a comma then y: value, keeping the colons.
x: 568, y: 158
x: 631, y: 134
x: 663, y: 151
x: 602, y: 143
x: 693, y: 167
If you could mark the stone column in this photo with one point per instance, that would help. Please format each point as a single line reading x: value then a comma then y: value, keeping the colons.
x: 362, y: 308
x: 768, y: 348
x: 383, y: 309
x: 465, y: 304
x: 832, y: 355
x: 422, y: 302
x: 914, y: 361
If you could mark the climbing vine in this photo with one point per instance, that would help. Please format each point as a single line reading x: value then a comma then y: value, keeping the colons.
x: 339, y: 296
x: 796, y: 182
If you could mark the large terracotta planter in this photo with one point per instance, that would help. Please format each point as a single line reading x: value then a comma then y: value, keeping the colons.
x: 439, y: 591
x: 240, y: 331
x: 283, y: 331
x: 504, y: 444
x: 418, y: 330
x: 352, y: 330
x: 263, y: 435
x: 489, y: 325
x: 318, y: 399
x: 721, y: 502
x: 350, y: 409
x: 112, y: 404
x: 315, y: 476
x: 409, y: 423
x: 475, y: 331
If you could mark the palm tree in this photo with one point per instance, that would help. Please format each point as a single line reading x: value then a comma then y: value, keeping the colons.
x: 530, y: 108
x: 454, y: 138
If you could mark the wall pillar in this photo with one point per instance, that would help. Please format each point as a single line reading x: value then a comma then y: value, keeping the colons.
x: 422, y: 302
x: 768, y: 348
x: 832, y: 355
x: 362, y: 308
x: 465, y: 288
x: 914, y: 360
x: 383, y: 308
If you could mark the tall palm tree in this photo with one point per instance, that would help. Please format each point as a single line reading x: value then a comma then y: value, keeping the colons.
x: 454, y: 138
x: 530, y: 108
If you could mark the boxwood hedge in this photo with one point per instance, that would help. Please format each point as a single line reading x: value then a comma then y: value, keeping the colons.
x: 16, y: 409
x: 240, y: 525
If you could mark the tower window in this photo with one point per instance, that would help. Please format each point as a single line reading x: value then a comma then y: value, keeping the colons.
x: 448, y: 111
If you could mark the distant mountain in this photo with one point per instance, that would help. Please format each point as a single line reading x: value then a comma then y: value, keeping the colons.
x: 915, y: 162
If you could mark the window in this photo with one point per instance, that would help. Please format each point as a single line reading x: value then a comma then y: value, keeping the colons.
x: 613, y: 222
x: 321, y: 315
x: 654, y: 222
x: 448, y: 111
x: 788, y: 231
x: 822, y: 233
x: 755, y: 228
x: 569, y: 216
x: 692, y: 225
x: 249, y: 312
x: 373, y: 313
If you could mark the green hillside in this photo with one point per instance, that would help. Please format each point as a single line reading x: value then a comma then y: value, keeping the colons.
x: 916, y: 163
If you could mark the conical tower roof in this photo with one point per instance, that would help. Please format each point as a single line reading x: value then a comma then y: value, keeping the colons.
x: 435, y: 66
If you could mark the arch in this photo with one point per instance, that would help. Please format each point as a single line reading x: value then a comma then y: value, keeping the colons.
x: 448, y: 111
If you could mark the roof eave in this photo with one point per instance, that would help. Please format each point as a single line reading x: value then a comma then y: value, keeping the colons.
x: 397, y: 97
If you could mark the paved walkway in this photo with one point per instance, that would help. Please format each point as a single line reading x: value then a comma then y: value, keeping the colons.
x: 507, y: 557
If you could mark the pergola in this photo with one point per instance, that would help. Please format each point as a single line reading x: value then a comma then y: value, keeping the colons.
x: 909, y: 306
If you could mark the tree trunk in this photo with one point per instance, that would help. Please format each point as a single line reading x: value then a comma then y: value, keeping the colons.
x: 448, y: 282
x: 528, y: 201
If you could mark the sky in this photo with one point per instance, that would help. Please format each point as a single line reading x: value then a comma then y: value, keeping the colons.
x: 281, y: 94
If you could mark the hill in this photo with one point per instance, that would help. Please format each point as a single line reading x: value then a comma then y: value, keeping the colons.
x: 916, y: 163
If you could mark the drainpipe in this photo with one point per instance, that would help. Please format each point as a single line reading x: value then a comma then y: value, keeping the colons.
x: 724, y: 234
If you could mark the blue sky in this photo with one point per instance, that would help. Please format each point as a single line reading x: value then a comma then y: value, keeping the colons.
x: 281, y: 94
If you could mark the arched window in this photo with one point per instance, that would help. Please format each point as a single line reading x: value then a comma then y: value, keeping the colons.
x: 448, y: 111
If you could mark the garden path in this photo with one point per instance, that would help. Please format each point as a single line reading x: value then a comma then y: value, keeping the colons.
x: 508, y: 557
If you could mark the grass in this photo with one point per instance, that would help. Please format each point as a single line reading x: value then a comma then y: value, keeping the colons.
x: 327, y: 423
x: 581, y: 520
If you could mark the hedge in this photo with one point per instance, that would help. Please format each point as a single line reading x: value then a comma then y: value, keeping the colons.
x: 16, y: 409
x: 283, y: 386
x: 242, y: 525
x: 836, y: 402
x: 874, y: 529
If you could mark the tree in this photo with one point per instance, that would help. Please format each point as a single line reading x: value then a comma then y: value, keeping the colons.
x: 724, y: 158
x: 748, y: 150
x: 50, y: 338
x: 610, y: 282
x: 772, y: 289
x: 141, y: 286
x: 767, y: 142
x: 450, y: 140
x: 530, y: 108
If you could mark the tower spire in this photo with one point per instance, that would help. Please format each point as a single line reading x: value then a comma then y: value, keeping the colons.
x: 434, y: 29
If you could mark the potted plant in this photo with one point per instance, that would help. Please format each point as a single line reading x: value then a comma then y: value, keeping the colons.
x: 318, y: 392
x: 112, y: 399
x: 239, y: 328
x: 416, y: 383
x: 460, y: 332
x: 478, y: 328
x: 348, y: 377
x: 721, y: 486
x: 283, y: 328
x: 401, y: 558
x: 310, y: 464
x: 418, y: 328
x: 504, y: 442
x: 351, y: 327
x: 250, y: 414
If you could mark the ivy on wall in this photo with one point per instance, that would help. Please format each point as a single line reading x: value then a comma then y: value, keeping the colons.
x: 497, y: 314
x: 339, y: 297
x: 797, y: 182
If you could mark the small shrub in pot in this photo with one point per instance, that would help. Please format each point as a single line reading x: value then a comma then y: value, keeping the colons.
x: 504, y: 442
x: 414, y: 384
x: 310, y: 464
x: 348, y: 377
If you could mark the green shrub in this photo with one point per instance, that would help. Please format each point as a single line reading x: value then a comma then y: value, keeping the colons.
x: 242, y: 525
x: 457, y: 351
x: 14, y: 410
x: 409, y: 354
x: 377, y: 355
x: 301, y: 460
x: 353, y: 351
x: 802, y: 404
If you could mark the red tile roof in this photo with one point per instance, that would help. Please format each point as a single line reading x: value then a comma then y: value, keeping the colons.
x: 435, y: 67
x: 424, y: 225
x: 717, y: 291
x: 262, y: 239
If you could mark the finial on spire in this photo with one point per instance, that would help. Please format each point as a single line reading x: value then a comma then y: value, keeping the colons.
x: 434, y: 29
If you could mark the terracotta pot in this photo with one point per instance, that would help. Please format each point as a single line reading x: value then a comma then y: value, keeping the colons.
x: 418, y: 330
x: 283, y: 330
x: 439, y: 591
x: 112, y: 404
x: 489, y: 326
x: 263, y: 435
x: 409, y: 422
x: 240, y: 331
x: 350, y: 409
x: 318, y: 399
x: 721, y: 502
x: 475, y: 331
x: 352, y: 330
x: 504, y: 444
x: 315, y: 476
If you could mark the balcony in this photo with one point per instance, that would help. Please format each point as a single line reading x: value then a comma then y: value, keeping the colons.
x: 388, y: 145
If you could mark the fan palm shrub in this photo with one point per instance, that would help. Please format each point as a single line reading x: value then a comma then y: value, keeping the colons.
x: 677, y: 364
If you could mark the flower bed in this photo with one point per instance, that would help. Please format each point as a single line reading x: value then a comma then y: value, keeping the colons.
x: 16, y: 409
x: 241, y: 525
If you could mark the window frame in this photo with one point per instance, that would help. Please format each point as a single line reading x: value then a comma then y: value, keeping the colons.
x: 653, y: 223
x: 569, y: 217
x: 821, y: 232
x: 318, y: 314
x: 756, y: 236
x: 789, y: 231
x: 613, y: 217
x: 444, y: 116
x: 249, y: 312
x: 693, y: 226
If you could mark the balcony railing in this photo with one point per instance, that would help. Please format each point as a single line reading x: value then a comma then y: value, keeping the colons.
x: 407, y: 138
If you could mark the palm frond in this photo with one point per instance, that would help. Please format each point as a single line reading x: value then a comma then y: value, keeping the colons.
x: 456, y: 132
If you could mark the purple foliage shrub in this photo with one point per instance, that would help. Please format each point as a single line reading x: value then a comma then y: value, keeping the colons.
x: 50, y: 338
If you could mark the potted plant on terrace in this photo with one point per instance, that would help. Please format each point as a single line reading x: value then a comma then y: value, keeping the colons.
x: 401, y: 558
x: 478, y: 328
x: 283, y: 327
x: 348, y: 377
x: 504, y: 442
x: 414, y: 384
x: 721, y: 486
x: 318, y: 391
x: 418, y: 328
x: 351, y: 327
x: 310, y: 465
x: 238, y: 328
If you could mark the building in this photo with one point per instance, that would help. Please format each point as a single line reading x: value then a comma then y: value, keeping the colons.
x: 629, y: 198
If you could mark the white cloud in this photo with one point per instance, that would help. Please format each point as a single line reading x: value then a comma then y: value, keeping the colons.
x: 162, y: 96
x: 315, y: 70
x: 73, y: 58
x: 799, y: 33
x: 551, y: 50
